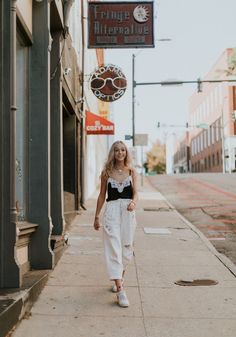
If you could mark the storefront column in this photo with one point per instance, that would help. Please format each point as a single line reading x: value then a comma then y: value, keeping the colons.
x: 9, y: 270
x: 41, y: 255
x: 57, y: 199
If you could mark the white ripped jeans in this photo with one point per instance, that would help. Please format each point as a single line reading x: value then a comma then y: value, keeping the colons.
x: 118, y: 233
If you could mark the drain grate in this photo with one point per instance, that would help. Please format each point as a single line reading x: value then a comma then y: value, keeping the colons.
x: 200, y: 282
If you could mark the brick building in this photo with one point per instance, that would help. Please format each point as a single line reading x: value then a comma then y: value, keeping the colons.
x: 210, y: 118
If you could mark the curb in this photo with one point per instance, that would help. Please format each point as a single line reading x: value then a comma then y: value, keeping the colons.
x: 222, y: 258
x: 15, y: 305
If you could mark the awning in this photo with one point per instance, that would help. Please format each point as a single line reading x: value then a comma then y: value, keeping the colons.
x: 96, y: 125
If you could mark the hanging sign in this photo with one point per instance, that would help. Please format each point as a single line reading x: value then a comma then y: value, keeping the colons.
x: 108, y: 83
x: 120, y: 24
x: 96, y: 125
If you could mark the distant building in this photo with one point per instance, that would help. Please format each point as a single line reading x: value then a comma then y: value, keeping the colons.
x: 212, y: 132
x: 182, y: 155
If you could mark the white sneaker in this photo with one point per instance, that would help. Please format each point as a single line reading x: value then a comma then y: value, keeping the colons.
x: 122, y: 299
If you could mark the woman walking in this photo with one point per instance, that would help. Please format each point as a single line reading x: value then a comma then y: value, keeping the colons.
x: 119, y: 189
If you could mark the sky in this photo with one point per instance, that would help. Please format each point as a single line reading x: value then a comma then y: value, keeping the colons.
x: 200, y: 30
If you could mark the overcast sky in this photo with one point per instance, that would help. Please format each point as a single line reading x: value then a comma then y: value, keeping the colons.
x: 200, y: 30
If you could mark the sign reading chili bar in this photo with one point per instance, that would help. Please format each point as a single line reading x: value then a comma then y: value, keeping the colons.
x: 96, y: 125
x: 120, y: 24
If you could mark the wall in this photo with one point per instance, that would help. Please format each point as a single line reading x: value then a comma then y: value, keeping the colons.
x: 213, y: 107
x: 24, y: 8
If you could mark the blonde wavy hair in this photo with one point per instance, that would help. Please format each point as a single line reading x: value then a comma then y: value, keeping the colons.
x: 110, y: 163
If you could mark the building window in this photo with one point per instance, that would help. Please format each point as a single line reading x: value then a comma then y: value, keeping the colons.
x: 205, y: 139
x: 198, y: 144
x: 213, y: 160
x: 212, y: 134
x: 202, y: 141
x: 205, y: 163
x: 217, y: 159
x: 221, y: 128
x: 217, y: 130
x: 209, y: 162
x: 209, y: 137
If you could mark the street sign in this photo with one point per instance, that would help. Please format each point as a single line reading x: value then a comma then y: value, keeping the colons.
x: 141, y: 139
x: 120, y: 24
x: 128, y: 137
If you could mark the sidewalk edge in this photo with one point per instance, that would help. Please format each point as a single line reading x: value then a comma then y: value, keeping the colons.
x: 13, y: 314
x: 222, y: 258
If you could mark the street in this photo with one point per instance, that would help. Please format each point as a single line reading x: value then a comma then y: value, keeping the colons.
x: 208, y: 201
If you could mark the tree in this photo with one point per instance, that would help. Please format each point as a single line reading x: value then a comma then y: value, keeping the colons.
x: 156, y: 158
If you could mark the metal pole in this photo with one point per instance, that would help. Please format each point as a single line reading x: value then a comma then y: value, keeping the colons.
x: 13, y: 114
x: 133, y: 100
x: 230, y: 155
x: 82, y: 122
x: 142, y: 165
x: 170, y: 83
x: 223, y: 140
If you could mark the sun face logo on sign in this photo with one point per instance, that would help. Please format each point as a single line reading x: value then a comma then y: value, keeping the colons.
x: 141, y: 14
x: 108, y: 83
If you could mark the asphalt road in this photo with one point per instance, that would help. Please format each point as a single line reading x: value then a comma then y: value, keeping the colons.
x: 208, y: 200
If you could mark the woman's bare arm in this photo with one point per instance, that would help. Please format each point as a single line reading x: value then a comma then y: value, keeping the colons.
x: 100, y: 200
x: 132, y: 204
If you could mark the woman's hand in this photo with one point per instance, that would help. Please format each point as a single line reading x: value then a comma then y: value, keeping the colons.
x: 131, y: 206
x: 96, y: 224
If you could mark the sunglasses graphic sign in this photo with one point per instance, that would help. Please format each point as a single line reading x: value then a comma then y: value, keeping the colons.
x: 108, y: 83
x: 120, y: 24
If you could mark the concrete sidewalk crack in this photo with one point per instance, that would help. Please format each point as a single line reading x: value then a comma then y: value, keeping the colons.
x: 139, y: 291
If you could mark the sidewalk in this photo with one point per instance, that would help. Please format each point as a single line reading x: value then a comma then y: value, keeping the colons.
x: 77, y: 301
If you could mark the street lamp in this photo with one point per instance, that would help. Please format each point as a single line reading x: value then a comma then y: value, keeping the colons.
x: 134, y: 84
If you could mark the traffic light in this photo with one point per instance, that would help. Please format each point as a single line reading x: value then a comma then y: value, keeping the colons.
x: 199, y: 85
x: 158, y: 124
x: 234, y: 116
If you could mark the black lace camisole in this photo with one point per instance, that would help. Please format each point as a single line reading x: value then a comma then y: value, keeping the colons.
x: 116, y: 190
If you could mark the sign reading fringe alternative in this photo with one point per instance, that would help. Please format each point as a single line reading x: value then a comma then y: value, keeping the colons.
x: 123, y: 24
x: 108, y: 83
x: 96, y: 125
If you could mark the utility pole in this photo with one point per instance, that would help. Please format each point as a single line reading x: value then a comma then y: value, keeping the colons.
x: 223, y: 143
x: 133, y: 100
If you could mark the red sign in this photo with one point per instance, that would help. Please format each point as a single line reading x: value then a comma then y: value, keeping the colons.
x: 96, y: 125
x: 120, y: 24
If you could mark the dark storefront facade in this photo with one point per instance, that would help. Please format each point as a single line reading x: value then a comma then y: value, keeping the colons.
x: 40, y: 138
